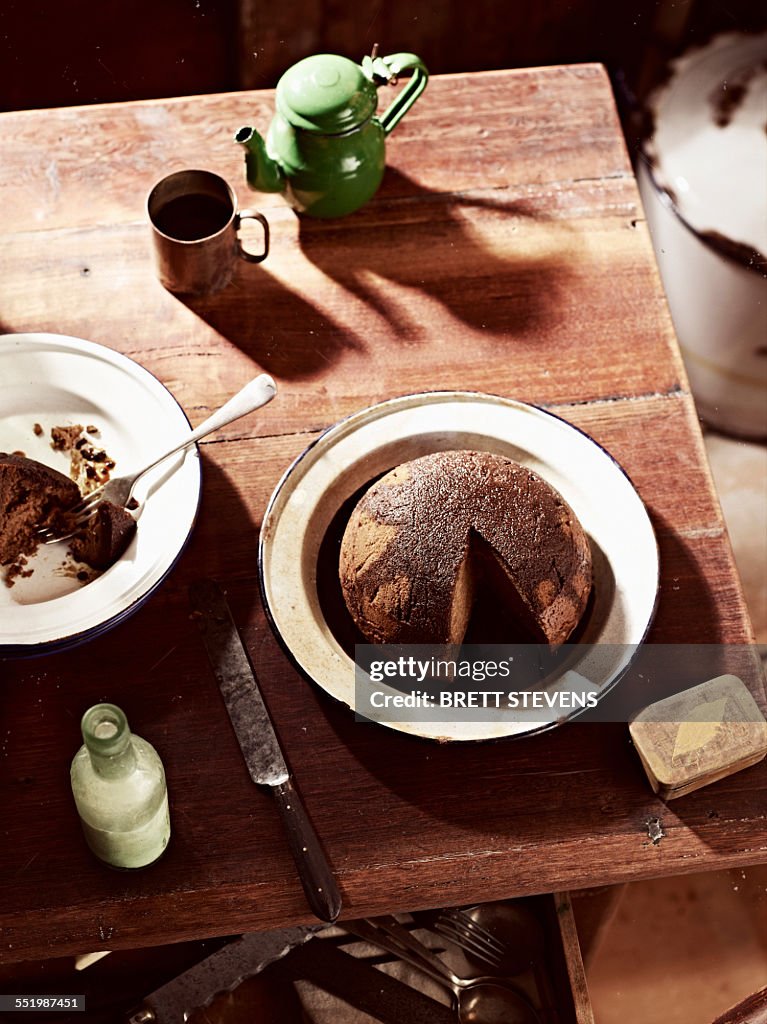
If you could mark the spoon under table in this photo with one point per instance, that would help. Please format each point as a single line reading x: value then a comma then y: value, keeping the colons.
x: 483, y: 1000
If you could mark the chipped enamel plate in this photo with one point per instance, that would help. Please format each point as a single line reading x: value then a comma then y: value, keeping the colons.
x: 369, y: 443
x: 55, y: 380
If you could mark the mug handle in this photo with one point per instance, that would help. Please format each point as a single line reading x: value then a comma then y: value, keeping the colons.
x: 395, y: 64
x: 252, y: 215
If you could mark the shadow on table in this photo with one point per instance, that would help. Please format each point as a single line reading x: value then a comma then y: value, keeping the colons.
x: 276, y: 327
x: 688, y: 609
x: 222, y: 552
x: 727, y: 816
x: 580, y: 781
x: 392, y: 245
x: 424, y: 240
x: 152, y: 665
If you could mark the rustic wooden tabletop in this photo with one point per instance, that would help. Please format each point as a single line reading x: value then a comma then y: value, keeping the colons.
x: 506, y: 252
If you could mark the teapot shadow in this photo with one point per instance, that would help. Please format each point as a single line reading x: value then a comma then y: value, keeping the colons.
x: 434, y: 247
x: 286, y: 335
x: 409, y: 239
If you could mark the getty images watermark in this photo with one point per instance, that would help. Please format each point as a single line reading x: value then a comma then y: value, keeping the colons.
x: 533, y: 682
x: 454, y: 683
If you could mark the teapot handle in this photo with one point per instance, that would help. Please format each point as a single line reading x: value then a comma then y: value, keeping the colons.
x: 395, y: 64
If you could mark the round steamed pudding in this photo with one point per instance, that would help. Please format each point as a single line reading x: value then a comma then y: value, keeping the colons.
x: 428, y: 537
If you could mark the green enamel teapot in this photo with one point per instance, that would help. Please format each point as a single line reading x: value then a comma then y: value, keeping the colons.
x: 325, y: 149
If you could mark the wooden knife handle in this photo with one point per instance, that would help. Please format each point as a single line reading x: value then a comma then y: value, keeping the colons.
x: 316, y: 876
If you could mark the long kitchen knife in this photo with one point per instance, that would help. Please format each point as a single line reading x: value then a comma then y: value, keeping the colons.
x: 348, y: 977
x: 259, y: 744
x: 222, y: 971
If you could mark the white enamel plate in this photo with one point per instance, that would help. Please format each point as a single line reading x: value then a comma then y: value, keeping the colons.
x: 345, y: 458
x: 53, y: 380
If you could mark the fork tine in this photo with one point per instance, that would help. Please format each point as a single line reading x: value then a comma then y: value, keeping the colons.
x: 48, y: 537
x: 88, y: 502
x: 481, y: 956
x: 83, y: 511
x: 476, y: 939
x: 462, y: 920
x: 464, y: 924
x: 468, y: 943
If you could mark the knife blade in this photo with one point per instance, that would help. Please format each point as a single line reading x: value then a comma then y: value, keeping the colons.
x: 259, y: 743
x: 357, y: 983
x: 222, y: 971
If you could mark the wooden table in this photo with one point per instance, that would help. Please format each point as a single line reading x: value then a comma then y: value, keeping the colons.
x: 506, y: 252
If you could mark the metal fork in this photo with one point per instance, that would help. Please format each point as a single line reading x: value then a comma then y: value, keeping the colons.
x: 256, y: 393
x: 457, y: 926
x: 484, y: 998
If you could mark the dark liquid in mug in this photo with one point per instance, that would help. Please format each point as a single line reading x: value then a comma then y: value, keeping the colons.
x: 191, y: 217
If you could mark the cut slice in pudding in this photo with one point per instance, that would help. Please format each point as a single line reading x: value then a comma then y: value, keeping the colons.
x: 434, y: 534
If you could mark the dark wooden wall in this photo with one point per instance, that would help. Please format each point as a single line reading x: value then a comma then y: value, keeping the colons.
x: 448, y: 36
x: 61, y: 52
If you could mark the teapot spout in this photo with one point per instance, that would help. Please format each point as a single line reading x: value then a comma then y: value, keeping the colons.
x: 263, y: 173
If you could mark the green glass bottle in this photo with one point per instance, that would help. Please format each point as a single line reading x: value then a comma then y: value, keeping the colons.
x: 119, y: 788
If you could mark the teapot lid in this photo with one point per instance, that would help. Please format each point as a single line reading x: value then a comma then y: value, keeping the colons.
x: 326, y: 94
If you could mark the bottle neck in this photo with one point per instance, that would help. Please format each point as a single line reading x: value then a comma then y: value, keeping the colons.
x: 108, y: 741
x: 114, y: 766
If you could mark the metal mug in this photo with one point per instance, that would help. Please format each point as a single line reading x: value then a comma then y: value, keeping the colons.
x: 196, y: 232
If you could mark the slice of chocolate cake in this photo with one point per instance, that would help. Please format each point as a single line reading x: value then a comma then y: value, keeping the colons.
x: 32, y: 495
x: 105, y: 537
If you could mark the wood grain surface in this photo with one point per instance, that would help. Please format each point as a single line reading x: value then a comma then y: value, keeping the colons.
x: 582, y: 1011
x: 506, y: 252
